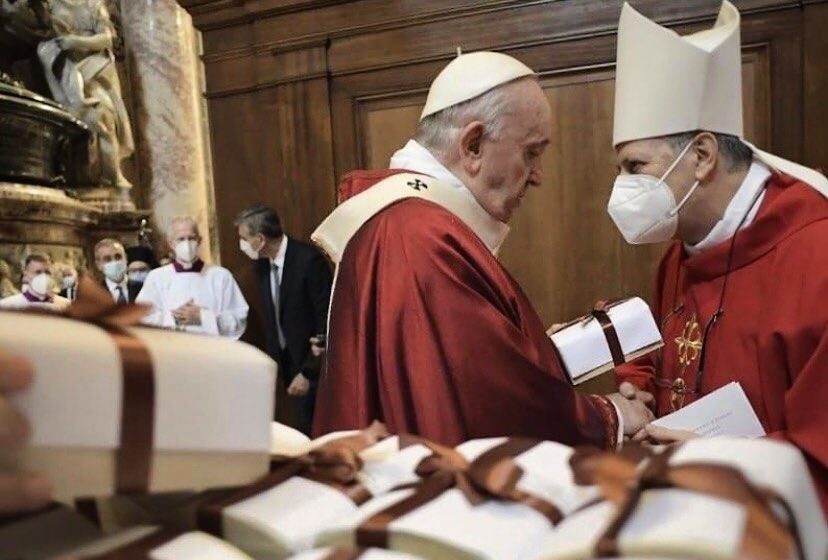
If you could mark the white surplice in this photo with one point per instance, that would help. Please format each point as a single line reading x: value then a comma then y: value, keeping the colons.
x: 213, y: 289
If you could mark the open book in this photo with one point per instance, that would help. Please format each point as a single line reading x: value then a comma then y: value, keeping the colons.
x: 584, y: 347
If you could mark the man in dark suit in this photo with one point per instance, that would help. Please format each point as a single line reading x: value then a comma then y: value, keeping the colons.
x: 295, y: 289
x: 111, y: 261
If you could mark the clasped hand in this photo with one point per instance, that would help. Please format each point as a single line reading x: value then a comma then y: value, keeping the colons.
x: 187, y: 314
x: 636, y: 428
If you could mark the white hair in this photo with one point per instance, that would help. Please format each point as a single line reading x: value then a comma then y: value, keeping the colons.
x: 438, y: 132
x: 189, y: 220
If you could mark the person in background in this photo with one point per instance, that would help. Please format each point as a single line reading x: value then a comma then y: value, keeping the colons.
x: 7, y: 287
x: 190, y: 294
x: 140, y: 261
x: 38, y: 286
x: 110, y: 258
x: 66, y: 278
x: 295, y: 288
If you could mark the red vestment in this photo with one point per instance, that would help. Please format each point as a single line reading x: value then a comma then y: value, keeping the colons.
x: 773, y: 334
x: 431, y: 335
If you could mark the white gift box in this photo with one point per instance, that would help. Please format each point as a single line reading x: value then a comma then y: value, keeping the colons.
x: 210, y: 412
x: 449, y: 526
x: 678, y: 523
x: 153, y: 543
x: 583, y: 347
x: 287, y: 517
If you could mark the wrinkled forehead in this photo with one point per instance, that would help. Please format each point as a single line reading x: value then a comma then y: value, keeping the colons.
x: 37, y: 267
x: 114, y: 249
x: 182, y: 229
x: 647, y: 150
x: 532, y: 112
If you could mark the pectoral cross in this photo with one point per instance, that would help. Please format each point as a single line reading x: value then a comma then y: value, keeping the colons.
x: 689, y: 346
x: 417, y: 185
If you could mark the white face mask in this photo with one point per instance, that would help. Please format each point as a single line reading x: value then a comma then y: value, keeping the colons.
x: 138, y: 276
x: 42, y: 285
x: 643, y: 207
x: 68, y: 282
x: 186, y: 251
x: 248, y: 249
x: 114, y: 270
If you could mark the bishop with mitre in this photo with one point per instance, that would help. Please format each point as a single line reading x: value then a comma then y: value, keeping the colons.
x: 740, y: 293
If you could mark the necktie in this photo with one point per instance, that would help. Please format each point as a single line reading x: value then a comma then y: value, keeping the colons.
x: 276, y: 305
x: 121, y: 297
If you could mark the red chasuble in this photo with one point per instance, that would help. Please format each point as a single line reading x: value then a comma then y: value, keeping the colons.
x: 431, y: 335
x: 773, y: 334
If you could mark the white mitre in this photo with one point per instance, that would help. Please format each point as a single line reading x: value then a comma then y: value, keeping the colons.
x: 471, y: 75
x: 668, y: 84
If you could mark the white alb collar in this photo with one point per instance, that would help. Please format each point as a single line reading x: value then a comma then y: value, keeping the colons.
x: 725, y: 228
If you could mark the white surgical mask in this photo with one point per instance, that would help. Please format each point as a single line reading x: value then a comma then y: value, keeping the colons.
x: 644, y: 208
x: 42, y: 285
x: 68, y: 282
x: 248, y: 249
x: 186, y: 251
x: 138, y: 276
x: 114, y: 270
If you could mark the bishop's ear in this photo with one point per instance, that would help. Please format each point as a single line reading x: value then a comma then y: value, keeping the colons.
x: 471, y: 146
x: 707, y: 151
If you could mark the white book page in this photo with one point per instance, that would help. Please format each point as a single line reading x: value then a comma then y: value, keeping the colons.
x: 724, y: 412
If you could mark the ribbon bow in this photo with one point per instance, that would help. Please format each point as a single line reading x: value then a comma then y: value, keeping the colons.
x: 622, y: 481
x: 95, y: 305
x: 494, y: 474
x: 335, y: 463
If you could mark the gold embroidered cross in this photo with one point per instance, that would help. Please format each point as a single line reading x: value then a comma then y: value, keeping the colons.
x: 689, y: 343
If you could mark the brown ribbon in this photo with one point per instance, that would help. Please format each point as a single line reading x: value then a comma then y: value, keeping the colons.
x: 344, y: 554
x: 765, y: 536
x: 494, y: 474
x: 600, y: 314
x: 335, y: 464
x: 95, y: 306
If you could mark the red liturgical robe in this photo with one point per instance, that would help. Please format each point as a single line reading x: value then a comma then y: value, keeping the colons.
x: 773, y: 334
x: 431, y: 335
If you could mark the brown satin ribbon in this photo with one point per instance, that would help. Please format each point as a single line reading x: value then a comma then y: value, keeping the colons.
x: 335, y: 464
x: 600, y: 314
x: 94, y: 305
x: 494, y: 474
x: 765, y: 536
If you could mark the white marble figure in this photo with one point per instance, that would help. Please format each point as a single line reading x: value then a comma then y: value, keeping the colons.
x: 81, y: 72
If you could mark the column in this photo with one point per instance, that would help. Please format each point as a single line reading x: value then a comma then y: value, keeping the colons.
x: 171, y: 137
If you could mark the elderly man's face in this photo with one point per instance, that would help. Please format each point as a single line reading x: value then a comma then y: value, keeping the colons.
x: 510, y: 164
x: 182, y: 231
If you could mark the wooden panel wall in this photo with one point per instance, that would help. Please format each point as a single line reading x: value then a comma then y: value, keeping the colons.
x: 302, y: 91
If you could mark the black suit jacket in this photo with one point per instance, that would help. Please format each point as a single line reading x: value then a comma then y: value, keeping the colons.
x: 133, y: 288
x: 304, y: 296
